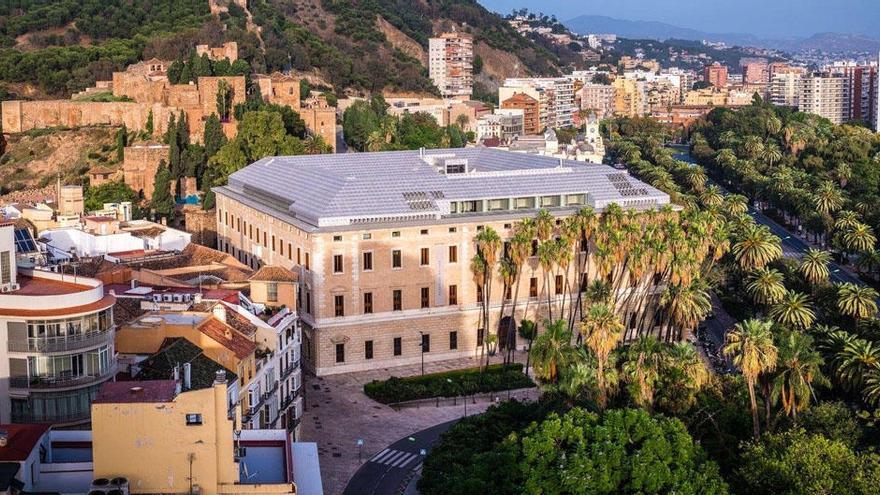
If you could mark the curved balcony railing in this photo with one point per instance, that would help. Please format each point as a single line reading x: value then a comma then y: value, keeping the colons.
x: 61, y: 344
x: 59, y: 381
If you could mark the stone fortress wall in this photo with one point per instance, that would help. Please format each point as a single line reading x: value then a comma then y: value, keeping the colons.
x: 147, y: 85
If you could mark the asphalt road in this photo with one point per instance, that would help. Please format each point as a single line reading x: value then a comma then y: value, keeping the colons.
x: 388, y: 471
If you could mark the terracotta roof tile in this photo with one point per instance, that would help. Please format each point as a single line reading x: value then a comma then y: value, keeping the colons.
x: 228, y: 337
x: 274, y: 274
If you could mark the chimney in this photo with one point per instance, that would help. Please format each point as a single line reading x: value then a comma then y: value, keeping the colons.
x: 177, y: 387
x: 136, y: 390
x: 134, y: 283
x: 219, y: 312
x: 187, y: 376
x: 220, y: 377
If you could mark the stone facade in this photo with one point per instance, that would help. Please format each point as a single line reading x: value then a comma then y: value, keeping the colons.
x: 147, y: 84
x: 201, y: 224
x: 434, y: 258
x: 139, y: 166
x: 225, y: 51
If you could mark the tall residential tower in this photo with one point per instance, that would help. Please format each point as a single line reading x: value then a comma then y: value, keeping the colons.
x: 450, y: 64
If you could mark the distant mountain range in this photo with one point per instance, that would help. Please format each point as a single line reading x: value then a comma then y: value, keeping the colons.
x: 831, y: 42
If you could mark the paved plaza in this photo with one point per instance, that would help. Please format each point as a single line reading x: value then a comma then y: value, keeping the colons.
x: 337, y: 414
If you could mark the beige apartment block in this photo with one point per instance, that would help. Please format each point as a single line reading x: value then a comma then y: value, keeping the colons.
x: 382, y: 242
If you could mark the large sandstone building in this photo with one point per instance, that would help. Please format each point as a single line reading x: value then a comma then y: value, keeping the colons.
x: 139, y: 166
x: 382, y: 242
x: 146, y: 84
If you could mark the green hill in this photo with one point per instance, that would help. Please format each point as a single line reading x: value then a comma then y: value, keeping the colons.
x: 55, y: 48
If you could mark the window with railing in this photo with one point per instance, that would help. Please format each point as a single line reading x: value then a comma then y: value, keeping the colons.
x: 63, y: 334
x: 70, y: 369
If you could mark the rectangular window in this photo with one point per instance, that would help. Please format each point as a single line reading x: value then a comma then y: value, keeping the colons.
x: 396, y: 233
x: 298, y: 256
x: 337, y: 238
x: 426, y: 297
x: 307, y: 261
x: 289, y: 251
x: 273, y: 242
x: 280, y: 246
x: 479, y: 293
x: 272, y: 292
x: 368, y: 303
x: 395, y: 259
x: 424, y: 257
x: 453, y: 295
x: 498, y: 204
x: 426, y: 343
x: 340, y: 353
x: 524, y: 203
x: 309, y: 302
x: 397, y: 299
x: 5, y: 267
x: 453, y: 230
x: 265, y: 239
x: 337, y: 263
x: 508, y: 293
x: 549, y: 201
x: 453, y: 254
x: 339, y: 304
x: 453, y: 341
x: 398, y: 346
x: 367, y: 237
x: 368, y: 349
x: 368, y: 261
x: 559, y: 283
x: 424, y: 232
x: 480, y: 333
x: 534, y: 248
x: 193, y: 419
x: 533, y: 287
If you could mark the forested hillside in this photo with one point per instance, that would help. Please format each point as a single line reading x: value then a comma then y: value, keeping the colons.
x: 54, y: 48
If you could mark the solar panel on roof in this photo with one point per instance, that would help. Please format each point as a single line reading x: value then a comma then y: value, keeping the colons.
x: 24, y: 241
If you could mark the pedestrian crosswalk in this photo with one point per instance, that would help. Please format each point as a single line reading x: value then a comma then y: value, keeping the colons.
x: 394, y: 458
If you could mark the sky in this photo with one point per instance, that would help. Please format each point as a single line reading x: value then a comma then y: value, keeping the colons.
x: 764, y: 18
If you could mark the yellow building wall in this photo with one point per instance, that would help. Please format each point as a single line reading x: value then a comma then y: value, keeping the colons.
x: 152, y: 446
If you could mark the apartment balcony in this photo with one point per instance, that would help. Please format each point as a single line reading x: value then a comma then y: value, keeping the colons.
x: 61, y: 344
x: 289, y: 369
x: 60, y: 381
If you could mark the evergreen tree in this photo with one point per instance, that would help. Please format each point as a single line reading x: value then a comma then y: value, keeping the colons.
x: 201, y: 67
x: 171, y: 131
x: 175, y: 70
x: 121, y: 142
x: 214, y: 137
x: 162, y: 201
x: 149, y: 125
x: 224, y: 100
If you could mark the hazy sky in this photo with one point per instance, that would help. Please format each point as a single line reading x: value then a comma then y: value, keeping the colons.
x: 765, y: 18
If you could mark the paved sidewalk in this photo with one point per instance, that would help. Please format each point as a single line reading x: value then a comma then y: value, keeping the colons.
x: 337, y: 414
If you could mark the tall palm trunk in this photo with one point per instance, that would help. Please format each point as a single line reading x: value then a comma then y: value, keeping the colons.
x: 756, y: 427
x: 511, y: 324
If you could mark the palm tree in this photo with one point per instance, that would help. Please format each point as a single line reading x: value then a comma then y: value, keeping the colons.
x: 756, y: 247
x: 684, y: 356
x: 750, y: 344
x: 686, y: 306
x: 798, y: 367
x: 859, y: 238
x: 375, y: 141
x: 520, y: 247
x: 828, y: 198
x: 814, y: 266
x: 736, y: 204
x: 846, y: 220
x: 794, y: 311
x: 856, y: 301
x: 602, y: 330
x: 712, y: 197
x: 552, y: 351
x: 508, y: 272
x: 855, y: 361
x: 772, y: 153
x: 547, y: 257
x: 765, y: 286
x: 844, y: 173
x: 488, y: 246
x: 479, y: 273
x: 644, y: 360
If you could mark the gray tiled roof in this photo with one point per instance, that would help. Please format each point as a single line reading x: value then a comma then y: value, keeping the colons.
x: 340, y: 189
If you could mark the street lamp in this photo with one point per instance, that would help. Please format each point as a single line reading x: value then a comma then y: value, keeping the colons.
x: 422, y: 347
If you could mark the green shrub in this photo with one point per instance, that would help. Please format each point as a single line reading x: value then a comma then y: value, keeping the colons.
x: 448, y: 384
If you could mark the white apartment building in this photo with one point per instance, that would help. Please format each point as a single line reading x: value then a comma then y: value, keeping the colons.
x: 598, y: 98
x: 56, y: 339
x: 555, y: 97
x: 826, y: 95
x: 504, y: 124
x: 450, y: 64
x: 785, y: 89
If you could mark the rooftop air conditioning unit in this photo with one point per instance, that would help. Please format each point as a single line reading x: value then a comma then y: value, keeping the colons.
x: 15, y: 286
x: 6, y: 288
x: 120, y: 484
x: 100, y: 486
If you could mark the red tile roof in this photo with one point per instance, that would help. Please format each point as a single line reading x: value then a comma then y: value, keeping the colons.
x: 39, y: 286
x: 274, y: 274
x: 105, y: 302
x: 22, y: 438
x: 229, y: 338
x: 136, y: 392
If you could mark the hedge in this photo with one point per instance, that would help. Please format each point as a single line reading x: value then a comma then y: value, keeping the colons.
x: 449, y: 384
